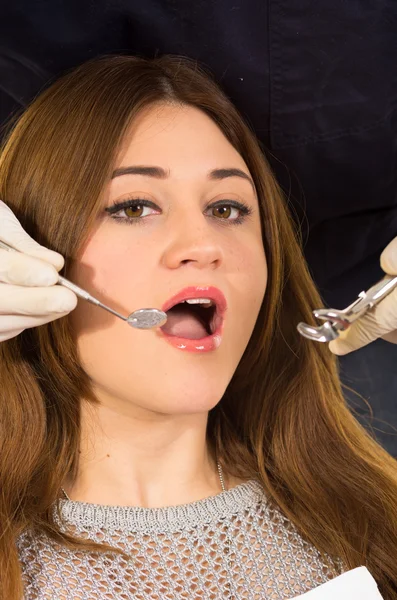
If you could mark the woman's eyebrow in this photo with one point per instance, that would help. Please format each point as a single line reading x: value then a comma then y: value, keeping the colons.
x: 224, y: 173
x: 159, y: 173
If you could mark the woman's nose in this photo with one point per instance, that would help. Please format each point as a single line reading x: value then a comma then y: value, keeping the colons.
x: 195, y: 241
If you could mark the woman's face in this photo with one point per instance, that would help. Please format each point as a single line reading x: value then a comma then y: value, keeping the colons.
x: 142, y: 256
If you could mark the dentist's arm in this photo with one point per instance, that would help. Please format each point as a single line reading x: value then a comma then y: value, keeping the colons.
x: 28, y: 294
x: 380, y: 322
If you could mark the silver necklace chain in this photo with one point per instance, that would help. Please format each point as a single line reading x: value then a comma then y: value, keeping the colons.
x: 220, y: 471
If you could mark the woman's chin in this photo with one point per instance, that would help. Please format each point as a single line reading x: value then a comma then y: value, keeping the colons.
x: 185, y: 404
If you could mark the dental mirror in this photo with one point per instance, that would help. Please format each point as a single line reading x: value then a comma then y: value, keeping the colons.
x: 143, y: 318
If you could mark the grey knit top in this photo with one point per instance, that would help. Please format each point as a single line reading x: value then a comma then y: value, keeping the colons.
x: 233, y: 545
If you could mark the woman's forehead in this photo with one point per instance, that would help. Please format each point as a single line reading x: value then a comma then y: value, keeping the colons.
x: 173, y: 137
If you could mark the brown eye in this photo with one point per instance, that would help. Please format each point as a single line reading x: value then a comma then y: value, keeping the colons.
x: 131, y: 211
x: 223, y: 211
x: 134, y: 211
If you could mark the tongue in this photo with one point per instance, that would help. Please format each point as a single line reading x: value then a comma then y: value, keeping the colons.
x: 184, y: 324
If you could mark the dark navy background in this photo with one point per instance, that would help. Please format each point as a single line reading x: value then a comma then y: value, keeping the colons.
x: 318, y: 82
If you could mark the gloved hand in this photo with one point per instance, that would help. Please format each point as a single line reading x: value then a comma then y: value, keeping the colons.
x: 380, y: 322
x: 28, y: 294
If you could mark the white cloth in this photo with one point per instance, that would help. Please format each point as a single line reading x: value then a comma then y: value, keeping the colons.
x: 353, y: 584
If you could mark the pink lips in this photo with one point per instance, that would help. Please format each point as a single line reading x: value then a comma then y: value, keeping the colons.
x: 210, y: 342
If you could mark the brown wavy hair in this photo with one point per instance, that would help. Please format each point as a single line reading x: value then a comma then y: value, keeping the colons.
x: 283, y: 419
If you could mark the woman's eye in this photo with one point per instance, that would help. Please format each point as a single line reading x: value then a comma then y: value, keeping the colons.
x: 133, y: 211
x: 130, y: 210
x: 230, y: 211
x: 225, y: 211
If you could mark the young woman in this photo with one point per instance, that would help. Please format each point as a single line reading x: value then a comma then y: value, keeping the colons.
x: 216, y: 456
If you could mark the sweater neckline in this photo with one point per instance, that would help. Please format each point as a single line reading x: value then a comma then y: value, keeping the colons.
x: 85, y: 516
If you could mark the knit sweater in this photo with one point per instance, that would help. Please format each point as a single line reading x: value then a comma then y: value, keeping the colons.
x: 233, y: 545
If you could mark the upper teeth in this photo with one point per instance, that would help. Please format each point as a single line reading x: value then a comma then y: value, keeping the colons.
x: 205, y: 301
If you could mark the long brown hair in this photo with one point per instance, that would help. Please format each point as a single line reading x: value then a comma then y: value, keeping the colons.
x: 283, y: 418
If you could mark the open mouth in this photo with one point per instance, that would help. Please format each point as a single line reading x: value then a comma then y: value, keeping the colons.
x: 193, y: 320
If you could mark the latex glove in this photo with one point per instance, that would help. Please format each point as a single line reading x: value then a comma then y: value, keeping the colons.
x: 356, y: 584
x: 28, y: 294
x: 380, y: 322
